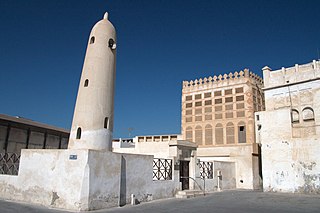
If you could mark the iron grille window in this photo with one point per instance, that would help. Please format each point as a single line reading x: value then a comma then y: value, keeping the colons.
x: 206, y: 170
x: 9, y: 163
x: 162, y: 169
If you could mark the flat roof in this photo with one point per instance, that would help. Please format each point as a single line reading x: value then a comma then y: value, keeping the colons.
x: 24, y: 123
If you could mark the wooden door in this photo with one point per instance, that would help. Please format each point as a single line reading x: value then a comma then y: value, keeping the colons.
x: 184, y: 174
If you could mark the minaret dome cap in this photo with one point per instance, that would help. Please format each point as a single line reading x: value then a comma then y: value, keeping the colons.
x: 105, y: 16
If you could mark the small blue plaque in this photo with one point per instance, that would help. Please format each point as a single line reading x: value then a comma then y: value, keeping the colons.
x: 72, y: 157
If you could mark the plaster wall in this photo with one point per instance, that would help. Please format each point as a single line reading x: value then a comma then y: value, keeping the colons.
x: 115, y: 178
x: 298, y: 73
x: 157, y: 149
x: 123, y: 143
x: 166, y: 188
x: 56, y: 176
x: 208, y: 185
x: 227, y: 179
x: 289, y: 129
x: 160, y: 188
x: 242, y: 158
x: 79, y: 179
x: 295, y: 96
x: 289, y: 164
x: 173, y: 149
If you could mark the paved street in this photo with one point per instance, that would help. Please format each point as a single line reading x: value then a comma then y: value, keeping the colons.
x: 228, y: 201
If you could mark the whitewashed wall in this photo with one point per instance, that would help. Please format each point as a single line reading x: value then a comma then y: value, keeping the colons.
x: 290, y: 141
x: 289, y: 164
x: 94, y: 180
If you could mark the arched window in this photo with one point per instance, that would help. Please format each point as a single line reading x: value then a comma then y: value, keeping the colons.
x: 112, y: 44
x: 86, y: 83
x: 230, y: 133
x: 294, y: 116
x: 189, y: 135
x: 208, y: 134
x: 78, y: 133
x: 106, y: 123
x: 92, y: 40
x: 308, y: 114
x: 219, y: 134
x: 198, y: 135
x: 242, y: 132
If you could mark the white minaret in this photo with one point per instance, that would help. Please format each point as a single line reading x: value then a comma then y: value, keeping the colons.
x: 92, y: 124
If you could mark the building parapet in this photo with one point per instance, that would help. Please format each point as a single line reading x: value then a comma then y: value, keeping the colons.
x: 290, y: 75
x: 123, y: 143
x: 231, y: 78
x: 157, y: 138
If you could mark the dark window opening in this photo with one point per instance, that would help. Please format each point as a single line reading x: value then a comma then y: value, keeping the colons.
x: 240, y: 98
x: 218, y: 101
x: 106, y: 123
x: 188, y: 98
x: 199, y: 103
x: 207, y: 95
x: 112, y: 44
x: 259, y: 126
x: 86, y: 83
x: 79, y: 133
x: 92, y: 40
x: 229, y: 99
x: 241, y: 133
x: 188, y: 105
x: 217, y: 93
x: 228, y: 92
x: 198, y: 96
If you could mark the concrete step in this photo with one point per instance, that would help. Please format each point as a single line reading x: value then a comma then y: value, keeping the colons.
x: 189, y: 193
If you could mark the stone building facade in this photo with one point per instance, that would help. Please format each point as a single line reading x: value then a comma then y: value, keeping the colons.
x: 218, y: 115
x: 289, y: 129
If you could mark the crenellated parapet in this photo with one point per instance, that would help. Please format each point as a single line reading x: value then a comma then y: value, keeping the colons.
x: 291, y: 75
x: 231, y: 78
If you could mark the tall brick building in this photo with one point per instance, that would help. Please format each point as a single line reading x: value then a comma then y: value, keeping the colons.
x: 218, y: 115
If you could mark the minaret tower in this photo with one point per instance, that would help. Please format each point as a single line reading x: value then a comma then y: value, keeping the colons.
x: 92, y: 124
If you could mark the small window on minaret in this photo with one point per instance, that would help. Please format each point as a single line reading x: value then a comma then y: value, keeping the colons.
x: 92, y: 40
x: 106, y: 123
x: 86, y: 83
x: 112, y: 44
x: 78, y: 133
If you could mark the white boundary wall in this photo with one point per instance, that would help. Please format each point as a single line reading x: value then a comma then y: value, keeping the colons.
x: 83, y: 179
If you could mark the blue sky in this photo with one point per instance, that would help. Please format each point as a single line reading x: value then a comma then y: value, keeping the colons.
x: 160, y: 44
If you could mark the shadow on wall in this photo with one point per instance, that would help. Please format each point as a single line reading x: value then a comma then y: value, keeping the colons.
x: 123, y: 183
